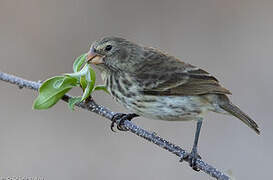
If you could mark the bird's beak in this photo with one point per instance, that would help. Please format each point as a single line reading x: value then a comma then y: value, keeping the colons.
x: 94, y: 58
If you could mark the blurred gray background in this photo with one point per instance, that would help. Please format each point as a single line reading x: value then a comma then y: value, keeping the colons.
x: 232, y: 39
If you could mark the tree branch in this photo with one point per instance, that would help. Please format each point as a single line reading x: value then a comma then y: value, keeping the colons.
x: 105, y: 112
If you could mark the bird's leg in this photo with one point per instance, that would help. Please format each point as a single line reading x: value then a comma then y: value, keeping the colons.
x: 194, y: 153
x: 119, y: 118
x: 193, y: 156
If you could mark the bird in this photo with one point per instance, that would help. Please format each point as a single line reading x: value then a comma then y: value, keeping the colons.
x: 153, y: 84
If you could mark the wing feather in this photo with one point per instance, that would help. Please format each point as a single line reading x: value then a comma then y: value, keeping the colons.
x: 177, y: 78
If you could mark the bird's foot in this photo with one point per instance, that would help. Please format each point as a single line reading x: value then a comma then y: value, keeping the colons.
x: 192, y: 158
x: 119, y: 119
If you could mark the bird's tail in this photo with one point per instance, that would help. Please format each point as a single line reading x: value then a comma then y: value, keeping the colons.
x: 237, y: 112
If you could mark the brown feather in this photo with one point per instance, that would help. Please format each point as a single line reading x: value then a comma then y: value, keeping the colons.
x: 180, y: 79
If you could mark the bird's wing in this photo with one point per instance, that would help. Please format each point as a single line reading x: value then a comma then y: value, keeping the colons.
x: 165, y: 75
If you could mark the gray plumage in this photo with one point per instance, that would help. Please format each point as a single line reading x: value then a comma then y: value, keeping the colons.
x: 156, y: 85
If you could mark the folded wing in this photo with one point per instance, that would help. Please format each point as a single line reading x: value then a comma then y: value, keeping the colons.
x: 167, y: 76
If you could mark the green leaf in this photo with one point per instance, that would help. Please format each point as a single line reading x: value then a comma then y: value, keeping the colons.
x: 101, y: 88
x: 91, y: 77
x: 83, y: 82
x: 58, y: 83
x: 87, y: 91
x: 92, y: 74
x: 79, y: 62
x: 72, y: 101
x: 51, y: 91
x: 80, y: 73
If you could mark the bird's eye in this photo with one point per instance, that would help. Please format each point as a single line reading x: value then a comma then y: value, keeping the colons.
x: 108, y: 48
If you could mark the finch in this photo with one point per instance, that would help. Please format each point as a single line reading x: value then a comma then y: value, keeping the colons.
x: 153, y: 84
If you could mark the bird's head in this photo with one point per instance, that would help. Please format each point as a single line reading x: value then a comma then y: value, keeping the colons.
x: 113, y: 54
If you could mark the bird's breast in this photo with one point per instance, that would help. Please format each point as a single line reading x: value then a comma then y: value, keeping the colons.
x: 121, y: 86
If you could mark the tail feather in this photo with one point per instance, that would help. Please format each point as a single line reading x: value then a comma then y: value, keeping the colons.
x: 235, y: 111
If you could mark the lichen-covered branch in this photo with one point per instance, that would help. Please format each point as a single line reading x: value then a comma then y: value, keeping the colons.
x: 91, y: 105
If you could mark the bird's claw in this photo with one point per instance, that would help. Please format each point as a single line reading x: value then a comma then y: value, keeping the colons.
x: 192, y: 158
x: 119, y: 119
